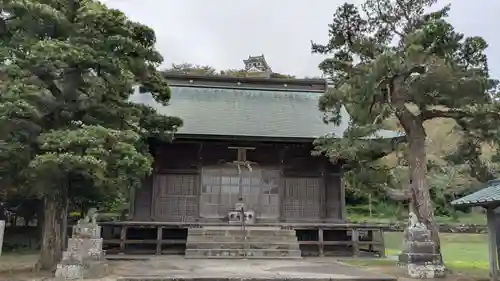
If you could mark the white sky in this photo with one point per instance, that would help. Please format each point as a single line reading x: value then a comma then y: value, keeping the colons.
x: 222, y: 33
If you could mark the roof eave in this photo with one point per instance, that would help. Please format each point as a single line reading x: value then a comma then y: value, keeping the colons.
x: 184, y: 136
x: 314, y: 82
x: 484, y: 204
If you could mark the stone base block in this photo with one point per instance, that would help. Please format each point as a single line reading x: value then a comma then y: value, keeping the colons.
x: 420, y: 235
x: 77, y: 271
x: 419, y: 258
x: 85, y: 244
x: 241, y: 253
x: 69, y: 272
x: 427, y: 247
x: 86, y: 249
x: 87, y: 231
x: 426, y: 271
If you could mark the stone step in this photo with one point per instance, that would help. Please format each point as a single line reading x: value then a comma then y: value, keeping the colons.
x: 240, y: 253
x: 221, y: 239
x: 242, y: 245
x: 238, y: 227
x: 261, y: 233
x: 248, y: 258
x: 242, y: 234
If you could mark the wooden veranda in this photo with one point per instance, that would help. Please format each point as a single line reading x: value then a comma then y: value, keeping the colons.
x: 315, y: 239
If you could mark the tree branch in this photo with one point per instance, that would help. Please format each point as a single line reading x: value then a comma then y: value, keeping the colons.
x: 434, y: 113
x: 388, y: 22
x: 388, y: 85
x: 455, y: 114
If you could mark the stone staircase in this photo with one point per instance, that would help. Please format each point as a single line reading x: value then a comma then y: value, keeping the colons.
x: 254, y: 242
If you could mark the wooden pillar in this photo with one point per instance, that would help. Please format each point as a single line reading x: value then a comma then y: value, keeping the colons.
x: 200, y: 181
x: 131, y: 208
x: 123, y: 237
x: 154, y: 191
x: 382, y: 242
x: 371, y: 239
x: 321, y: 242
x: 159, y: 239
x: 343, y: 215
x: 493, y: 247
x: 281, y: 184
x: 323, y: 200
x: 355, y: 242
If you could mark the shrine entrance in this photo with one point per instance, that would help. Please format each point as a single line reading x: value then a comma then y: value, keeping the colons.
x: 223, y: 185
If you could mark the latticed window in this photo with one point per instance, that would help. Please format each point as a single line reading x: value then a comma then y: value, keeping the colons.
x: 223, y: 185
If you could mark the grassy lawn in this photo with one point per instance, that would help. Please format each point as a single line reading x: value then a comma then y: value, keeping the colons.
x: 464, y: 254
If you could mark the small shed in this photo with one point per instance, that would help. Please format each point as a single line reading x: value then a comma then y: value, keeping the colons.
x: 488, y: 197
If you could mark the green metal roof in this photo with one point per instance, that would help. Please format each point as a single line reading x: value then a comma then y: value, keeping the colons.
x: 488, y: 194
x: 249, y: 112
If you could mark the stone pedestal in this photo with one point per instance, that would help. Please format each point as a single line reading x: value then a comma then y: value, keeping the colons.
x: 84, y: 257
x: 235, y: 217
x: 420, y: 256
x: 2, y: 229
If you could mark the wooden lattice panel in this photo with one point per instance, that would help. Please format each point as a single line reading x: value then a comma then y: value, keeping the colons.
x: 142, y: 206
x: 221, y: 188
x: 175, y: 197
x: 333, y: 198
x: 301, y: 198
x: 269, y: 198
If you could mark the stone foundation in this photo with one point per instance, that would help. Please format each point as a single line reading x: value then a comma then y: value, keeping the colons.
x: 237, y: 242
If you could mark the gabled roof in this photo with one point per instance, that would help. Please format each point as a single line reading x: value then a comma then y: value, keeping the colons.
x: 249, y: 107
x: 489, y: 194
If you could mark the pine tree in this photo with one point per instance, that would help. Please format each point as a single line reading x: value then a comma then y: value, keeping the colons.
x: 397, y: 59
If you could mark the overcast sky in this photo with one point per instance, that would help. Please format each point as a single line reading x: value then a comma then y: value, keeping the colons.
x: 222, y: 33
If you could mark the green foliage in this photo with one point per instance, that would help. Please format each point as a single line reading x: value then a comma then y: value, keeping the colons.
x: 188, y: 68
x: 92, y: 154
x: 65, y: 94
x: 193, y: 69
x: 68, y: 130
x: 434, y: 68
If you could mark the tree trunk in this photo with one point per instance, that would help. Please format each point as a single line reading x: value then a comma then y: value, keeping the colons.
x: 64, y: 218
x: 53, y: 235
x: 421, y: 203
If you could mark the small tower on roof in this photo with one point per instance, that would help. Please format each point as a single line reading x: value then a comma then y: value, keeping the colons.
x: 257, y: 64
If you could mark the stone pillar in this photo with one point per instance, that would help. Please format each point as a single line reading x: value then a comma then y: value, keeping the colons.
x: 420, y: 256
x: 2, y: 229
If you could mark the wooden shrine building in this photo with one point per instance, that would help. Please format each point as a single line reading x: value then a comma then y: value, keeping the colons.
x: 247, y: 139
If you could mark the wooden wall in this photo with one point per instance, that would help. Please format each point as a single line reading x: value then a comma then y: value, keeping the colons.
x: 308, y: 188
